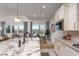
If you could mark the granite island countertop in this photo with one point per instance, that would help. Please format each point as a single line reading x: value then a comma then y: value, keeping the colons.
x: 30, y: 48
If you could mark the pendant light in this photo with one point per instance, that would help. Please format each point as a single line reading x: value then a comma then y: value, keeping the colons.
x: 17, y: 18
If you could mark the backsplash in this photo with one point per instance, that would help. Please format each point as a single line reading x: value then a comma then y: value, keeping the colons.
x: 73, y: 33
x: 60, y: 34
x: 57, y: 34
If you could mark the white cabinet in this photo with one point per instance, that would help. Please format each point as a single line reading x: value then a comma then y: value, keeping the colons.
x: 58, y: 49
x: 71, y: 52
x: 63, y: 50
x: 70, y: 14
x: 77, y: 15
x: 67, y: 51
x: 66, y: 17
x: 71, y: 22
x: 55, y: 46
x: 59, y: 15
x: 61, y: 12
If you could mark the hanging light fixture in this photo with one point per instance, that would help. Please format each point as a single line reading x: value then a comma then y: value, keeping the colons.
x: 17, y: 18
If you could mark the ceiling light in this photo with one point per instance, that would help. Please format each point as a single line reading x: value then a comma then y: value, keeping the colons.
x: 44, y: 6
x: 34, y: 15
x: 17, y: 19
x: 42, y: 14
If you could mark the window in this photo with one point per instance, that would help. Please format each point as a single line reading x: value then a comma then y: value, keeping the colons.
x: 38, y: 28
x: 42, y: 29
x: 19, y: 28
x: 35, y: 28
x: 8, y: 29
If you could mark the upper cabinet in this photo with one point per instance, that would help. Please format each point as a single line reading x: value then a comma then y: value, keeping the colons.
x: 59, y: 15
x: 70, y: 14
x: 77, y: 15
x: 70, y: 17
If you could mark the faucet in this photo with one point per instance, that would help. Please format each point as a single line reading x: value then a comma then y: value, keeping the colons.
x: 19, y: 43
x: 25, y: 35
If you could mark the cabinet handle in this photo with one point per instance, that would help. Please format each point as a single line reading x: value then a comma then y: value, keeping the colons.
x: 74, y: 25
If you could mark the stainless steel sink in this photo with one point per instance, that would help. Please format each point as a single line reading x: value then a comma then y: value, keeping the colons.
x: 76, y: 45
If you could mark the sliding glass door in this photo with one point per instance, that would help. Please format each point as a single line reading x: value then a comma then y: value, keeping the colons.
x: 42, y: 29
x: 19, y: 28
x: 35, y: 28
x: 39, y: 28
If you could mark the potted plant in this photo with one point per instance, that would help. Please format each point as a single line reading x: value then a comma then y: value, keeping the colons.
x: 47, y: 33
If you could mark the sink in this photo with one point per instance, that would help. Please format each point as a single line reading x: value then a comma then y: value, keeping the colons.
x: 76, y: 45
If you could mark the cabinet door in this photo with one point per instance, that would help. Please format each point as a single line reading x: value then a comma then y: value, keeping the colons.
x: 56, y: 16
x: 72, y: 16
x: 71, y: 52
x: 59, y: 15
x: 66, y: 17
x: 77, y: 16
x: 61, y: 12
x: 60, y: 49
x: 64, y: 50
x: 78, y: 22
x: 60, y: 53
x: 55, y: 46
x: 70, y: 19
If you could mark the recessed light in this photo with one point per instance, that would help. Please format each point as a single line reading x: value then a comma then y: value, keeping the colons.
x: 34, y: 15
x: 44, y: 6
x: 42, y: 14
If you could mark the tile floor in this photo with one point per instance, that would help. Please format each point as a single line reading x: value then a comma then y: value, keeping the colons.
x: 50, y: 51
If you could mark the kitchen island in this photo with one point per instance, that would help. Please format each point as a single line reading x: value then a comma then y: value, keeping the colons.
x: 30, y: 48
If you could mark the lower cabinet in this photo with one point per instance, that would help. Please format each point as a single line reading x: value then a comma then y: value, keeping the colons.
x: 63, y: 50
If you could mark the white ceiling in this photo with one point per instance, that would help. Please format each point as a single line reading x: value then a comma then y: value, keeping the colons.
x: 29, y: 9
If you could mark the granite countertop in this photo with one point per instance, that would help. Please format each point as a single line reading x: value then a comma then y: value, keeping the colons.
x: 32, y: 48
x: 70, y: 43
x: 10, y: 47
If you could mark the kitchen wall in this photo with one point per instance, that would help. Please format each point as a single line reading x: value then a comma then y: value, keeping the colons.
x: 73, y: 33
x: 56, y: 34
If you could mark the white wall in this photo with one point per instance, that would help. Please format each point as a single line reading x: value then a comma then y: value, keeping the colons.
x: 56, y: 34
x: 51, y: 34
x: 51, y: 22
